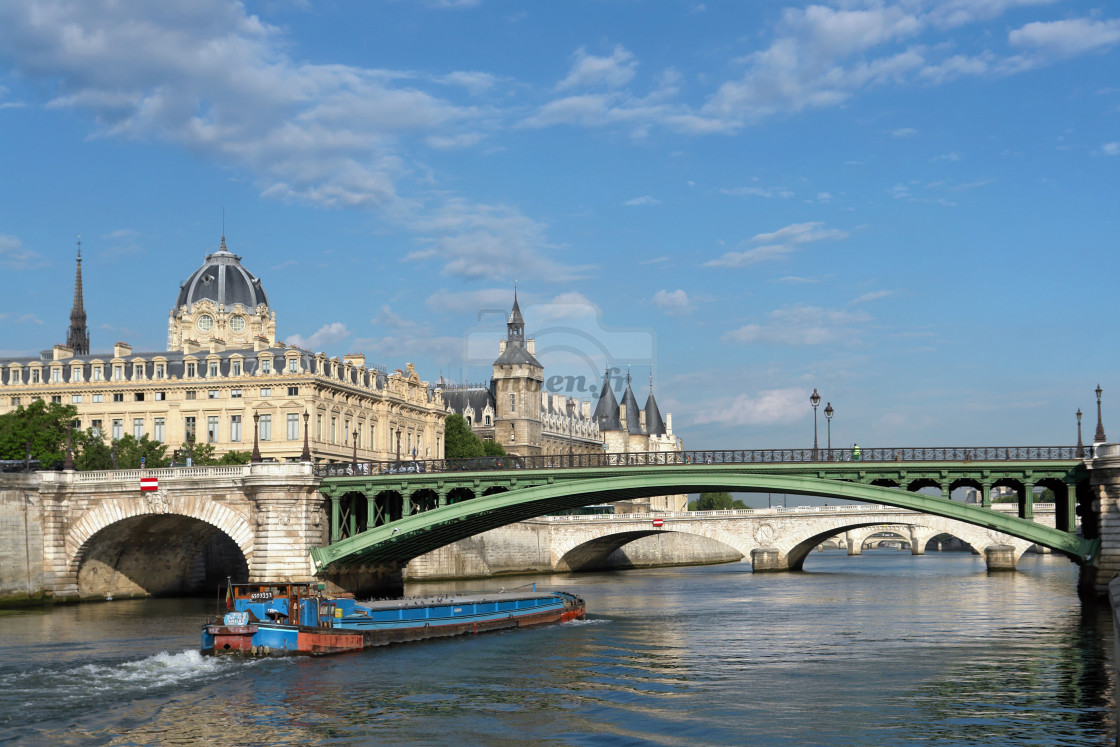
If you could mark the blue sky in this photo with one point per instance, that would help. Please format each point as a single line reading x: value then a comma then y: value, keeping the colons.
x: 910, y: 205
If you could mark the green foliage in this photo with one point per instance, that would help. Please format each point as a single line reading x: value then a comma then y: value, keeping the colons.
x: 43, y: 425
x: 235, y: 457
x: 130, y: 450
x: 92, y: 452
x: 459, y: 442
x: 714, y: 501
x: 738, y: 504
x: 493, y: 448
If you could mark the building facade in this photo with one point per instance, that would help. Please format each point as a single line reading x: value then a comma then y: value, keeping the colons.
x: 225, y: 380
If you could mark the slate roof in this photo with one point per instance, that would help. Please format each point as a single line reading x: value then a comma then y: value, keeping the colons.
x: 224, y: 281
x: 633, y: 418
x: 655, y: 424
x: 606, y: 410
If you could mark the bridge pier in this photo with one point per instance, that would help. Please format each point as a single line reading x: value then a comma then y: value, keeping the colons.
x: 768, y: 560
x: 1000, y: 558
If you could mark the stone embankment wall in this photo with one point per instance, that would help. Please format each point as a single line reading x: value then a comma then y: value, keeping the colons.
x: 526, y: 547
x: 22, y: 574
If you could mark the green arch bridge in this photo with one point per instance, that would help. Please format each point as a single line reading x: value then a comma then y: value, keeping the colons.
x: 386, y: 513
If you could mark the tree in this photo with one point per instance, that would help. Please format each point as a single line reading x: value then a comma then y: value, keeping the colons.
x: 235, y: 457
x: 493, y: 448
x: 130, y: 451
x: 42, y: 425
x: 714, y: 501
x: 92, y: 453
x: 459, y: 442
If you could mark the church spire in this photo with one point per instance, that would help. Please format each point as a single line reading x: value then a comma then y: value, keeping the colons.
x: 515, y: 327
x: 77, y: 338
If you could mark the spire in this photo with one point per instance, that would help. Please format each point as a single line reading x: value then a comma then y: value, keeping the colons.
x: 515, y: 327
x: 77, y: 338
x: 633, y: 419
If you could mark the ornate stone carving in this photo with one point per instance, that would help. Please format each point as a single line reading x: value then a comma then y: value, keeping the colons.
x: 157, y: 501
x: 764, y: 534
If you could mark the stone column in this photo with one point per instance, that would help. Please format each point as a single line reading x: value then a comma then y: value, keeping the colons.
x: 55, y: 493
x: 1104, y: 478
x: 768, y: 560
x: 855, y: 545
x: 1000, y: 558
x: 285, y: 501
x: 985, y: 495
x: 1028, y: 501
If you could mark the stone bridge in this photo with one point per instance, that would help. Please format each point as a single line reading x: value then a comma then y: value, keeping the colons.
x: 774, y: 539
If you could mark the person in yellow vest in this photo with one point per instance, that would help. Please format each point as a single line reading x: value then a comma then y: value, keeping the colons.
x: 855, y: 452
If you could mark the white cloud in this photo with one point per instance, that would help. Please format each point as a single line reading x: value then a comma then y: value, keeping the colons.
x: 588, y: 70
x: 803, y: 325
x: 219, y: 82
x: 328, y: 334
x: 386, y: 317
x: 904, y: 132
x: 643, y: 200
x: 950, y: 157
x: 1068, y: 37
x: 778, y: 244
x: 672, y: 300
x: 758, y: 192
x: 14, y: 256
x: 769, y: 407
x: 473, y: 302
x: 1111, y: 149
x: 873, y: 296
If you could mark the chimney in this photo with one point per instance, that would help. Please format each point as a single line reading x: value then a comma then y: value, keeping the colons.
x: 585, y: 408
x: 217, y: 346
x: 190, y: 347
x: 259, y: 344
x: 501, y: 346
x: 61, y: 353
x: 531, y: 346
x: 642, y: 420
x: 122, y: 350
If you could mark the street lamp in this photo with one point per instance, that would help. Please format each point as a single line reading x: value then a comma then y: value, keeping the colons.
x: 255, y: 457
x: 305, y: 456
x: 1079, y: 445
x: 828, y: 411
x: 814, y: 399
x: 355, y: 449
x: 1099, y: 438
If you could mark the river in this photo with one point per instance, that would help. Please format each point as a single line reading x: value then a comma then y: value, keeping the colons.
x: 880, y: 649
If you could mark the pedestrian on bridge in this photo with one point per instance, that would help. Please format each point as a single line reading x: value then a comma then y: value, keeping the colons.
x: 855, y: 452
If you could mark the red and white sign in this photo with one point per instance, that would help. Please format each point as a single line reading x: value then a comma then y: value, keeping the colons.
x: 149, y: 483
x: 658, y: 522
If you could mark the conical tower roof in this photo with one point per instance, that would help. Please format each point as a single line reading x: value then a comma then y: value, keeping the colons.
x: 655, y: 424
x: 633, y: 419
x: 606, y: 410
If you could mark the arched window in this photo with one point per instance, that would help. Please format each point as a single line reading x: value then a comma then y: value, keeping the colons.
x: 487, y: 420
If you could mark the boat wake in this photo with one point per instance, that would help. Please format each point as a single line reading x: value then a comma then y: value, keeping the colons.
x: 585, y: 621
x: 64, y: 687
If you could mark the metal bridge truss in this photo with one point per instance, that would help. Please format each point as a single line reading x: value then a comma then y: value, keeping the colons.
x: 393, y: 517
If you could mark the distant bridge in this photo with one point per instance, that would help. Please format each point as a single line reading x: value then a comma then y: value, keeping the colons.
x: 387, y: 514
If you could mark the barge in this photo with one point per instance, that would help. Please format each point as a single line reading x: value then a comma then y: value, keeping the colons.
x: 299, y: 619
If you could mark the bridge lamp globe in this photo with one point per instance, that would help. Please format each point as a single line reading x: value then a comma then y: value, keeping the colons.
x: 828, y: 412
x: 814, y: 400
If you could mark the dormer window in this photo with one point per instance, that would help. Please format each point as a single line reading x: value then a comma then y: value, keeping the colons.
x: 293, y: 365
x: 118, y: 373
x: 191, y: 370
x: 98, y: 373
x: 137, y: 370
x: 56, y: 375
x: 160, y: 371
x: 266, y: 366
x: 76, y: 374
x: 213, y: 369
x: 35, y: 376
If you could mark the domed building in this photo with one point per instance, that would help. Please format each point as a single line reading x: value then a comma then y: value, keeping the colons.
x: 221, y: 301
x: 225, y: 380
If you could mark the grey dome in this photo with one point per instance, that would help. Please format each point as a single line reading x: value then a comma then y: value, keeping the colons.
x: 224, y: 281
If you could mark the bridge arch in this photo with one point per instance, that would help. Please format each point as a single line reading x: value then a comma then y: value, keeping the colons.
x: 421, y: 533
x: 146, y: 545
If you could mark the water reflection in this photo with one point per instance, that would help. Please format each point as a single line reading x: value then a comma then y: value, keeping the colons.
x: 884, y: 648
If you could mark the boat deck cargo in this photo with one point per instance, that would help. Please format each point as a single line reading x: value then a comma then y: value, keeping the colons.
x: 298, y: 618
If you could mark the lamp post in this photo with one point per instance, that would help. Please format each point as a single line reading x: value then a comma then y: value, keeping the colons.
x: 255, y: 458
x: 828, y: 411
x: 1079, y: 445
x: 814, y: 400
x: 305, y: 455
x: 355, y: 449
x: 571, y: 419
x: 1099, y: 437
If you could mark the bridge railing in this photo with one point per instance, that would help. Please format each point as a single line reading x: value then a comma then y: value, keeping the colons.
x: 711, y: 456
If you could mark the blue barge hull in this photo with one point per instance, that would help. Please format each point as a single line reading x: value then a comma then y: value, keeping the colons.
x: 292, y: 619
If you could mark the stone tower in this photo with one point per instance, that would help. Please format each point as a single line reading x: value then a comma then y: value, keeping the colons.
x: 77, y: 338
x: 517, y: 382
